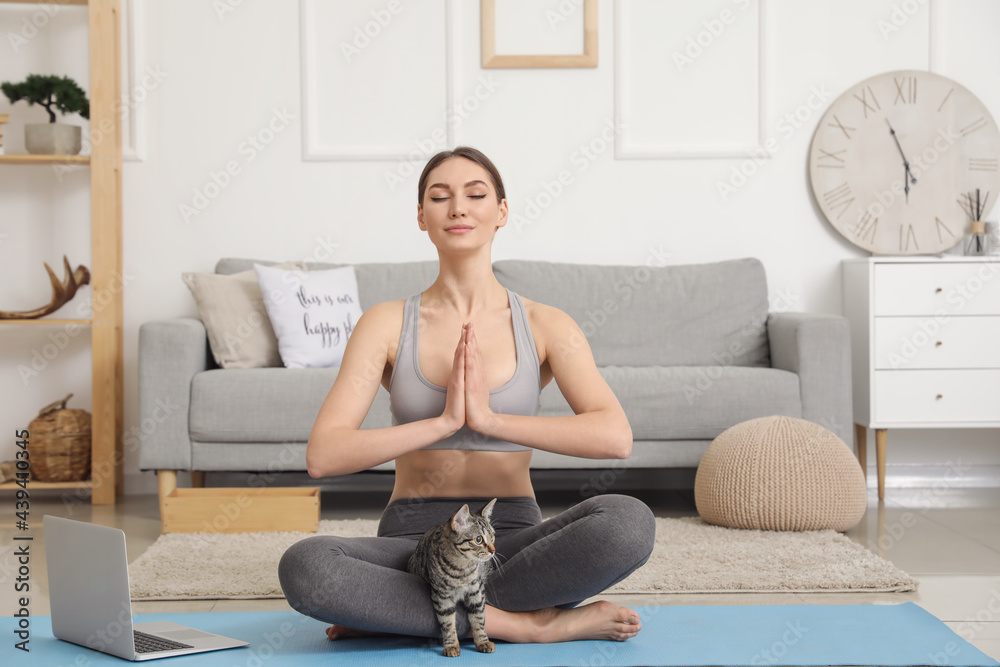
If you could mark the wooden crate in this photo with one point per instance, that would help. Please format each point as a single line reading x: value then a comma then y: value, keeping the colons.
x: 242, y: 510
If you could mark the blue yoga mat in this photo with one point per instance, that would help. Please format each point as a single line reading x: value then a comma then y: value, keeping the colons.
x: 888, y: 635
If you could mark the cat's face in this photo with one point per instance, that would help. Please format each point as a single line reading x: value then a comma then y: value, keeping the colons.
x: 472, y: 534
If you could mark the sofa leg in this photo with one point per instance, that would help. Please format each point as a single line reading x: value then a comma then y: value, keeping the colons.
x: 197, y: 479
x: 167, y: 480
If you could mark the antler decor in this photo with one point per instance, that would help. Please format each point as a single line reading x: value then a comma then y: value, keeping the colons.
x: 62, y: 292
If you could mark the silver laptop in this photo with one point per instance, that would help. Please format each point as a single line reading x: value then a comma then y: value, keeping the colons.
x: 91, y: 605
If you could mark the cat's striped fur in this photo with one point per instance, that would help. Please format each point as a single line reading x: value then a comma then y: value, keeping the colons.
x: 454, y: 558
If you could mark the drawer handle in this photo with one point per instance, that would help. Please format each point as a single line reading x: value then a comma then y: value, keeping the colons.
x: 937, y: 344
x: 938, y: 290
x: 939, y: 397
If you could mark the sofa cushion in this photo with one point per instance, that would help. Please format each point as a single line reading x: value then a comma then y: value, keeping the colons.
x: 675, y: 315
x: 690, y: 402
x: 257, y: 404
x: 262, y: 458
x: 678, y: 403
x: 266, y: 404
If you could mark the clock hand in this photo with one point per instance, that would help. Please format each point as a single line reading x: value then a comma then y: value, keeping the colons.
x: 907, y: 184
x: 905, y: 163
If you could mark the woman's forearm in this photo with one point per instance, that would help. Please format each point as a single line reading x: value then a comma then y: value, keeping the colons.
x: 341, y: 451
x: 600, y: 434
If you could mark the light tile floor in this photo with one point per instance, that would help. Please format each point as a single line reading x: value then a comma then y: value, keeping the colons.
x: 949, y: 539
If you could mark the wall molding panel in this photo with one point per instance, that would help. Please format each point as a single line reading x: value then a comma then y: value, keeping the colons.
x: 643, y: 122
x: 328, y: 76
x: 133, y: 71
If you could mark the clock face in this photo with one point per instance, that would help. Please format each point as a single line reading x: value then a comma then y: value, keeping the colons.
x: 894, y: 159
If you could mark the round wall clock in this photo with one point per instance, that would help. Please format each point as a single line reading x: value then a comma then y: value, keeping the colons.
x: 896, y: 162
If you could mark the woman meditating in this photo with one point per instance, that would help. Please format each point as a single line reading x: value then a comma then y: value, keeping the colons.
x: 464, y: 362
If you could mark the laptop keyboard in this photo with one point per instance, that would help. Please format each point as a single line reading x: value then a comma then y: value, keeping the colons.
x: 146, y: 643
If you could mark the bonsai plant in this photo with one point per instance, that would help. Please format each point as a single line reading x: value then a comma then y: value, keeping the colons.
x: 55, y: 93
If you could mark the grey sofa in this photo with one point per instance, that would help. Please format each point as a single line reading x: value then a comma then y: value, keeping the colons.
x: 689, y: 350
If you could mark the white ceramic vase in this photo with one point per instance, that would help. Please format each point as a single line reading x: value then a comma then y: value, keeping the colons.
x: 52, y: 138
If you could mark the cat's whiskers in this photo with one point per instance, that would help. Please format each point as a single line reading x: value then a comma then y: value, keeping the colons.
x: 497, y: 565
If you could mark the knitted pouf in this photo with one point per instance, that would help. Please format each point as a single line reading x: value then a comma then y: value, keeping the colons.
x: 780, y: 473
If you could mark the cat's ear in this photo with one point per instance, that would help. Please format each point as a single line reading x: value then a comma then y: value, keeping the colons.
x: 488, y: 510
x: 461, y: 519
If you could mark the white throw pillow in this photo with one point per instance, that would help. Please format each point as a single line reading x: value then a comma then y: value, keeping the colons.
x: 312, y: 313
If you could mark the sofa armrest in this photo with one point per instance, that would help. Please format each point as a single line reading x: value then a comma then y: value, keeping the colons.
x: 170, y: 353
x: 817, y: 348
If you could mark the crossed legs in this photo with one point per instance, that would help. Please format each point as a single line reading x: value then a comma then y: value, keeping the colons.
x: 547, y: 570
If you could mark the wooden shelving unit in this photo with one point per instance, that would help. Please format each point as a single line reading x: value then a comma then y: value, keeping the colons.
x: 32, y: 485
x: 105, y: 164
x: 43, y: 322
x: 45, y: 159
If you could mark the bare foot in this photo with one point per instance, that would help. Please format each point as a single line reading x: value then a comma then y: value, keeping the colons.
x: 597, y: 620
x: 341, y: 632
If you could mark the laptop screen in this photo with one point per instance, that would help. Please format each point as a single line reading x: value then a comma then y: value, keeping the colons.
x: 88, y: 585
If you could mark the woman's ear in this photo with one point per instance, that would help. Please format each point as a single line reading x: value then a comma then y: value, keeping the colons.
x: 502, y: 219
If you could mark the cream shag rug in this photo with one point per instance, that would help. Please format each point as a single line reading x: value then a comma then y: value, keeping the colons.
x: 690, y: 556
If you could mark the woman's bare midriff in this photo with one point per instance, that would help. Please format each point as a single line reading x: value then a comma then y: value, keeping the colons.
x: 447, y: 473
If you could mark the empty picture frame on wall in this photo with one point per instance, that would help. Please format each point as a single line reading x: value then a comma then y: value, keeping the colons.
x: 554, y: 17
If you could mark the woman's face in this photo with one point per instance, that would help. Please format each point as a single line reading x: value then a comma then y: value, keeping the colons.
x: 460, y: 204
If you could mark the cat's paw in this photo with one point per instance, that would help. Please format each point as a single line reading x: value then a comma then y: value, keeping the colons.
x: 486, y: 647
x: 452, y: 651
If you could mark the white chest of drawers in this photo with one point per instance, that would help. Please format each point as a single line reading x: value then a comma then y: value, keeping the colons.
x: 925, y: 344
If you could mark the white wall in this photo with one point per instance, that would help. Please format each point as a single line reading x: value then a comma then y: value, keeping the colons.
x: 203, y: 82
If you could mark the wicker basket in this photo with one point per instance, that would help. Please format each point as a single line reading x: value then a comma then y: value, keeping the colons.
x: 59, y: 444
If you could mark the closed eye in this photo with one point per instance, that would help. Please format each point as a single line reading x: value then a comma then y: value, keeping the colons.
x: 444, y: 198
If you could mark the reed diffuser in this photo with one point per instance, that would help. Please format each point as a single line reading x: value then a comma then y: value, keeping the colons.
x: 972, y: 203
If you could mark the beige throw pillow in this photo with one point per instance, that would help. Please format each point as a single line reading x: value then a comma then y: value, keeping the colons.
x: 232, y: 308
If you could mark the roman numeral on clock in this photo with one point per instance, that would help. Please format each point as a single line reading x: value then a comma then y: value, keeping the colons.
x: 940, y: 225
x: 840, y: 197
x: 910, y: 234
x: 867, y: 227
x: 865, y: 92
x: 906, y: 89
x: 950, y: 91
x: 982, y: 164
x: 977, y: 124
x: 836, y: 123
x: 832, y: 160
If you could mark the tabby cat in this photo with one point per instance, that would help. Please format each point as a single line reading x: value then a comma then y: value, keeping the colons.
x: 454, y: 559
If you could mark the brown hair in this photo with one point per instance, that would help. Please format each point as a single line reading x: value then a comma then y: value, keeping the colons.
x: 469, y: 153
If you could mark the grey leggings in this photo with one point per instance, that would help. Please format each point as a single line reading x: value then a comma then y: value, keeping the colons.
x: 362, y: 582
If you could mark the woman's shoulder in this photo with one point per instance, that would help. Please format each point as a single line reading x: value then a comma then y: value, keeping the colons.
x: 550, y: 326
x: 543, y: 314
x: 383, y: 319
x: 385, y: 313
x: 383, y: 322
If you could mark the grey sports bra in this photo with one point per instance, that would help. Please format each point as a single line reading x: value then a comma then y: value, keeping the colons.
x: 413, y: 397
